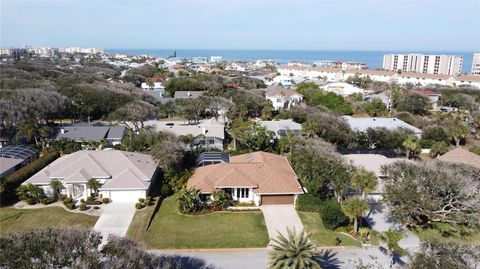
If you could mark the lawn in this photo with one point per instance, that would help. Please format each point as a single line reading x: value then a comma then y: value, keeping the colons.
x: 321, y: 235
x: 170, y: 230
x: 15, y: 220
x: 449, y: 231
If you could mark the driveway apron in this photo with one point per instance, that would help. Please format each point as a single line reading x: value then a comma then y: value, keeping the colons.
x: 280, y: 217
x: 115, y: 219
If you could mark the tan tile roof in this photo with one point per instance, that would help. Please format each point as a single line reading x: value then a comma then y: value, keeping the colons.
x: 469, y: 78
x: 267, y: 173
x: 272, y: 91
x: 461, y: 155
x: 423, y: 75
x: 370, y: 72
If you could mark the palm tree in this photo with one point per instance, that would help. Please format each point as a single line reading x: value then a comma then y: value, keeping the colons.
x: 354, y: 208
x: 93, y: 184
x: 365, y: 181
x: 458, y: 132
x: 30, y: 193
x: 33, y: 131
x: 391, y: 238
x: 411, y: 145
x: 56, y: 185
x: 292, y: 252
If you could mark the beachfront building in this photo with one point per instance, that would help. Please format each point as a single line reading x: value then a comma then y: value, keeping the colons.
x: 427, y: 64
x: 476, y: 64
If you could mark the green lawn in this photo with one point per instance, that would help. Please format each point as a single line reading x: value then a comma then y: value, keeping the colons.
x: 170, y: 230
x: 449, y: 231
x: 320, y: 235
x: 15, y: 220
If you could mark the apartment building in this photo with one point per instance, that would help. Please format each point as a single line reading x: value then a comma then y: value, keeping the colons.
x: 476, y: 64
x: 340, y: 64
x: 427, y: 64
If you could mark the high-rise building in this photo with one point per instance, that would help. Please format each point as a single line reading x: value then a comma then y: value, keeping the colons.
x: 476, y: 64
x: 420, y: 63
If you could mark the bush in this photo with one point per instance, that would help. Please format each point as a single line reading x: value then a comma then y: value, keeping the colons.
x: 165, y: 190
x: 426, y: 143
x: 475, y: 149
x: 221, y: 199
x: 105, y: 200
x: 141, y: 200
x: 309, y: 203
x: 82, y: 201
x: 435, y: 133
x: 62, y: 197
x: 148, y: 201
x: 96, y: 207
x: 70, y: 206
x: 138, y: 206
x: 82, y: 207
x: 14, y: 180
x: 189, y: 201
x: 47, y: 200
x: 438, y: 148
x: 96, y: 202
x: 67, y: 200
x: 332, y: 214
x: 90, y: 198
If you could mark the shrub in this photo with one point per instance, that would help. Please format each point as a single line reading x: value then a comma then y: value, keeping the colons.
x: 62, y: 197
x: 96, y: 207
x: 82, y: 201
x: 438, y: 148
x: 70, y: 206
x: 435, y: 133
x: 141, y: 200
x: 138, y: 205
x: 220, y: 199
x: 165, y: 190
x: 475, y: 149
x: 426, y: 143
x: 90, y: 198
x: 105, y: 200
x: 67, y: 200
x: 189, y: 201
x: 96, y: 202
x: 309, y: 203
x: 47, y: 200
x: 148, y: 201
x: 332, y: 214
x: 82, y: 207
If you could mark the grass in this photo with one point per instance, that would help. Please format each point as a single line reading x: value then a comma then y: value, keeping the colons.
x: 449, y: 231
x: 321, y: 235
x: 171, y: 230
x: 17, y: 220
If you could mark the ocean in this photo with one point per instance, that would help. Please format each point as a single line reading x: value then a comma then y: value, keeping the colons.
x: 373, y: 59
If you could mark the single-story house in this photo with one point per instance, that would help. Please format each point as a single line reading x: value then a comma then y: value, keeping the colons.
x: 433, y: 96
x: 84, y: 132
x: 12, y: 158
x: 363, y: 124
x: 342, y: 88
x: 125, y: 176
x: 461, y: 155
x: 259, y: 177
x: 282, y: 98
x: 208, y: 133
x: 281, y: 127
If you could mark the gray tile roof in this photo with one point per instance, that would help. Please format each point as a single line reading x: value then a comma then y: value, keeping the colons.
x: 82, y: 132
x: 362, y: 124
x: 280, y: 127
x: 119, y: 169
x: 210, y: 128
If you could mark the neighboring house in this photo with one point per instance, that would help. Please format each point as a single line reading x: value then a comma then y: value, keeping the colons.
x: 282, y: 98
x: 84, y: 132
x: 12, y: 158
x: 125, y: 176
x: 343, y: 89
x: 208, y: 133
x: 363, y: 124
x: 373, y: 163
x: 385, y: 99
x: 212, y: 157
x: 282, y: 127
x: 187, y: 94
x: 259, y: 177
x: 461, y: 155
x: 434, y: 97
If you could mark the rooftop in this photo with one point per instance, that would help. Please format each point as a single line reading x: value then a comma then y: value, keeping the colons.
x: 209, y: 127
x: 461, y: 155
x: 280, y: 127
x: 86, y: 132
x: 362, y: 124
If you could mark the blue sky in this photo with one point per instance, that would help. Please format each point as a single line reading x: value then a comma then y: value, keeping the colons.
x: 426, y: 25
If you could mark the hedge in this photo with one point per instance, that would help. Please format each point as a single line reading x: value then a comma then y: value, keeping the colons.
x: 309, y: 203
x: 14, y: 180
x: 332, y: 214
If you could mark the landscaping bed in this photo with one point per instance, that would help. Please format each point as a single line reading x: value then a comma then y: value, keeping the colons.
x: 171, y: 230
x: 16, y: 220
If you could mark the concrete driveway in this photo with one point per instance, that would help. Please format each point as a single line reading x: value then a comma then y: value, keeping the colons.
x: 280, y: 217
x: 115, y: 219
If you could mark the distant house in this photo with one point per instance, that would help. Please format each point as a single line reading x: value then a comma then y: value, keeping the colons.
x: 12, y: 158
x: 434, y: 97
x: 461, y: 155
x: 84, y: 132
x: 125, y: 176
x: 155, y: 89
x: 282, y: 98
x: 259, y: 177
x: 208, y: 133
x: 212, y: 157
x: 282, y: 127
x: 187, y: 94
x: 363, y: 124
x: 343, y: 89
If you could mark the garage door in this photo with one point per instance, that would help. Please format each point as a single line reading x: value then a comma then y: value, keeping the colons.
x: 277, y: 199
x: 126, y: 196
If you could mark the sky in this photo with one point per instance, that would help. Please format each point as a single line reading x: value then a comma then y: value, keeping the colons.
x: 425, y: 25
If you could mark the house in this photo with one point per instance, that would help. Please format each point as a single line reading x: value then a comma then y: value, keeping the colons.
x: 343, y: 89
x: 84, y: 132
x: 363, y: 124
x: 461, y: 155
x: 208, y: 133
x: 154, y: 88
x: 281, y: 127
x: 212, y: 157
x: 434, y: 97
x: 125, y: 176
x: 282, y: 98
x: 12, y: 158
x: 187, y: 94
x: 259, y: 177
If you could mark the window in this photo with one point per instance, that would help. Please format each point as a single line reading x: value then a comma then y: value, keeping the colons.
x: 243, y: 193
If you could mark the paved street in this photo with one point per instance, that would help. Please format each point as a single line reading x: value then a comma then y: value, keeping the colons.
x: 258, y: 259
x: 280, y: 217
x: 115, y: 219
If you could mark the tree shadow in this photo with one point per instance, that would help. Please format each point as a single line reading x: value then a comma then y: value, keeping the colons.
x: 327, y: 259
x: 185, y: 262
x: 396, y: 259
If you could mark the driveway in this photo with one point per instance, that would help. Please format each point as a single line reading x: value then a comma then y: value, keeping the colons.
x: 115, y: 219
x: 280, y: 217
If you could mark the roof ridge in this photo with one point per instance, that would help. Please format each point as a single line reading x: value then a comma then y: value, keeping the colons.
x: 124, y: 154
x: 98, y: 163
